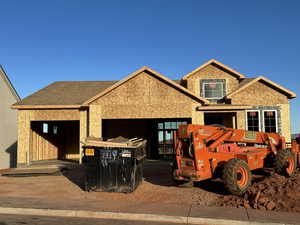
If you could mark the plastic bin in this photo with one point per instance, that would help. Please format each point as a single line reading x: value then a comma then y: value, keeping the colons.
x: 113, y: 169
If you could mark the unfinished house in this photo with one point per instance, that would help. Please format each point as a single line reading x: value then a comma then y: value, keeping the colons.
x: 54, y: 120
x: 8, y: 122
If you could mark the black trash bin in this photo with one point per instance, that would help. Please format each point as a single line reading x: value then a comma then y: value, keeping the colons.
x: 113, y: 169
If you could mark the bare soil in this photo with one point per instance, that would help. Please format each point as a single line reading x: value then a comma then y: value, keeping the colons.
x: 157, y: 187
x: 268, y: 192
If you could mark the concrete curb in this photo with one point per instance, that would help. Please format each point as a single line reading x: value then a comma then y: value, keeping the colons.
x: 127, y: 216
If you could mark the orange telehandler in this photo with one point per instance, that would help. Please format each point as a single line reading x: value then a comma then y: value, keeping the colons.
x: 204, y: 152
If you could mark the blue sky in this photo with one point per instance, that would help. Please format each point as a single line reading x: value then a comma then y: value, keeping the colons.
x: 46, y: 41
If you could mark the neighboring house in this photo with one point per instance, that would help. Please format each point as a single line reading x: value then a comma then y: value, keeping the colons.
x: 8, y: 123
x: 54, y: 120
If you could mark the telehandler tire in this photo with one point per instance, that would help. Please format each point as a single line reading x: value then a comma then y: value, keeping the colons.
x: 285, y: 163
x: 237, y: 176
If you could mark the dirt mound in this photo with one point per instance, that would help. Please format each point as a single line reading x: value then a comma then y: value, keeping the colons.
x: 275, y: 193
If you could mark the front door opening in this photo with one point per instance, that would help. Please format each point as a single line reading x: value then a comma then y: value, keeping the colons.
x: 225, y: 119
x: 157, y: 132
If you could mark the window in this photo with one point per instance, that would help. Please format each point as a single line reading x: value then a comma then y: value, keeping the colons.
x: 55, y: 128
x: 45, y: 128
x: 165, y: 136
x: 270, y: 121
x: 253, y: 123
x: 212, y: 89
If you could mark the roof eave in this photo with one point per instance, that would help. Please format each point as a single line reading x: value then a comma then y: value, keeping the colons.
x: 9, y: 84
x: 46, y: 106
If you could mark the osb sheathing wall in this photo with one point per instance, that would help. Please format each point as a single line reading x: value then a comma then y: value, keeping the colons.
x: 95, y: 121
x: 24, y: 129
x: 285, y: 121
x: 197, y: 116
x: 211, y: 72
x: 259, y: 94
x: 24, y: 133
x: 143, y: 97
x: 240, y: 120
x: 84, y: 132
x: 59, y: 114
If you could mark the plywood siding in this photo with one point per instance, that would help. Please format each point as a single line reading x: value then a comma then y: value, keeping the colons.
x: 259, y: 94
x: 144, y: 96
x: 212, y: 72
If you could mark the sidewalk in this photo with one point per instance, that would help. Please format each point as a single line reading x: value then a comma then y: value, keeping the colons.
x: 190, y: 214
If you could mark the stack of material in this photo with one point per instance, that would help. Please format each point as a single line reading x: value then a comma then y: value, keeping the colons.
x: 118, y: 142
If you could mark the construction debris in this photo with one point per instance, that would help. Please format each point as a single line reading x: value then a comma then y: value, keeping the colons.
x: 113, y: 142
x: 274, y: 193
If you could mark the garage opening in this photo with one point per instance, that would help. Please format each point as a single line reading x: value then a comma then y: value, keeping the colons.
x: 54, y: 140
x: 157, y: 132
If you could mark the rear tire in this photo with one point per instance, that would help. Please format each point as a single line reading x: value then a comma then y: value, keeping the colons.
x: 285, y: 163
x: 237, y: 176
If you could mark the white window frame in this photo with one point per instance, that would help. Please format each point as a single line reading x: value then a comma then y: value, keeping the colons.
x: 263, y: 118
x: 259, y: 121
x: 209, y: 82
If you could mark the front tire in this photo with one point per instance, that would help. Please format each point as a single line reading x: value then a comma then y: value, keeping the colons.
x: 237, y: 176
x: 285, y: 163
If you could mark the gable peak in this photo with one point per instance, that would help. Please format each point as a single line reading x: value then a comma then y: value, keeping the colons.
x: 217, y: 63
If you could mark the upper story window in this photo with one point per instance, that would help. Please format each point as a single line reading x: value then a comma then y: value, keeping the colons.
x: 213, y: 88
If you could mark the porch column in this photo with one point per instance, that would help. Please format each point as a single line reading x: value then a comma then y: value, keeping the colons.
x: 240, y: 120
x: 24, y: 136
x: 83, y: 130
x: 95, y: 121
x: 197, y: 116
x: 234, y: 121
x: 285, y: 123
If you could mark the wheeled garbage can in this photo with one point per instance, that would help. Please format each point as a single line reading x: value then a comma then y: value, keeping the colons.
x: 114, y: 167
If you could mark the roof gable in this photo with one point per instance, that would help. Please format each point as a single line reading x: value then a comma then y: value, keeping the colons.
x: 218, y: 64
x: 156, y: 75
x: 5, y: 78
x: 275, y: 86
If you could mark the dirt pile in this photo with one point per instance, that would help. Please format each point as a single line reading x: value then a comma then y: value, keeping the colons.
x: 275, y: 193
